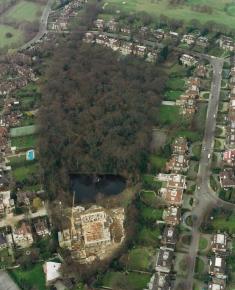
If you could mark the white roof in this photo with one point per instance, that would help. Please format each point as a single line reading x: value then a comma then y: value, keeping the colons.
x: 218, y: 262
x: 51, y: 270
x: 215, y: 287
x: 220, y: 238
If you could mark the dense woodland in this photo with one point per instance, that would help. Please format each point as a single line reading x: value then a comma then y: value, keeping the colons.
x: 97, y: 113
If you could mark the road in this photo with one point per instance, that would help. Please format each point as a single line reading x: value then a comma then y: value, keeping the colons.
x: 42, y: 26
x: 205, y: 197
x: 6, y: 282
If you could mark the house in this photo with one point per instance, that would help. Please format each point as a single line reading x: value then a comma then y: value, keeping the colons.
x: 152, y: 56
x: 169, y: 236
x: 41, y: 228
x: 232, y: 71
x: 177, y: 164
x: 217, y: 266
x: 164, y: 260
x: 229, y: 157
x: 188, y: 60
x: 102, y: 39
x: 189, y: 39
x: 126, y: 48
x: 180, y: 146
x: 201, y: 71
x: 139, y: 50
x: 112, y: 25
x: 159, y: 281
x: 65, y: 239
x: 113, y: 44
x: 219, y: 243
x: 217, y: 284
x: 89, y: 37
x: 171, y: 216
x: 23, y: 198
x: 125, y: 30
x: 227, y: 178
x: 176, y: 181
x: 99, y: 23
x: 172, y: 196
x: 52, y: 272
x: 3, y: 241
x: 22, y: 235
x: 159, y: 34
x: 173, y: 35
x: 202, y: 41
x: 226, y: 43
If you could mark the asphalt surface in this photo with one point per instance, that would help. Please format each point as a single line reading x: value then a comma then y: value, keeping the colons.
x: 42, y: 26
x: 205, y: 197
x: 6, y: 283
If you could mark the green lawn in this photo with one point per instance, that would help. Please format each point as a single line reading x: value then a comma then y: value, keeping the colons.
x: 24, y: 11
x: 24, y: 172
x: 203, y: 244
x: 24, y: 142
x: 150, y: 214
x: 224, y: 224
x: 148, y: 237
x: 14, y: 40
x: 221, y: 13
x: 168, y: 115
x: 33, y: 278
x: 139, y: 259
x: 157, y: 162
x: 197, y: 150
x: 175, y: 84
x: 173, y: 95
x: 132, y: 281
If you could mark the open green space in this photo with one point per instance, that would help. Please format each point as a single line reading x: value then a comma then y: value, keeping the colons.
x: 147, y: 236
x: 203, y: 243
x: 24, y: 172
x: 132, y: 281
x: 23, y: 131
x: 157, y: 162
x: 24, y: 11
x: 5, y: 258
x: 140, y: 259
x: 168, y: 115
x: 24, y: 142
x: 221, y: 223
x: 222, y: 11
x: 9, y: 36
x: 173, y: 95
x: 175, y: 84
x: 33, y: 278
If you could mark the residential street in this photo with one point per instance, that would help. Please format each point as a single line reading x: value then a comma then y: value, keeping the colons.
x: 42, y: 26
x: 6, y: 282
x: 205, y: 197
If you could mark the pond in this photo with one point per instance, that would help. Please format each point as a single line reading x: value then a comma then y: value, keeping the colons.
x: 87, y: 187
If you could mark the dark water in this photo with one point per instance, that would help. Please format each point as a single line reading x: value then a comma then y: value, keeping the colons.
x: 87, y: 187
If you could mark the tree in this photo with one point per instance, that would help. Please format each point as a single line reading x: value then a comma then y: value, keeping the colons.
x: 37, y: 203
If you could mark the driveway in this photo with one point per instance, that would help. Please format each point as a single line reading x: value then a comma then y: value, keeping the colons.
x: 6, y: 283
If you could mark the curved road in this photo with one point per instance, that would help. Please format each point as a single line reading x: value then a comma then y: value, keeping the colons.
x: 205, y: 197
x: 42, y: 26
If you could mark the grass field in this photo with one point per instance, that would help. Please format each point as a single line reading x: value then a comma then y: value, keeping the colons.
x: 16, y: 38
x: 24, y: 11
x: 168, y: 115
x: 24, y: 142
x: 33, y: 278
x: 23, y: 131
x: 172, y: 95
x: 223, y: 11
x: 139, y: 259
x: 224, y: 224
x: 115, y: 280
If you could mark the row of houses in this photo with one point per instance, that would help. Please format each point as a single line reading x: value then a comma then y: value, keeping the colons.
x: 123, y: 46
x: 150, y: 34
x: 171, y: 192
x: 22, y: 236
x: 59, y: 19
x: 227, y: 177
x: 217, y: 262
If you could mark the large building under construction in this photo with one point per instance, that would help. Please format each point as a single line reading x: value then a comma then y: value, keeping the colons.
x: 94, y: 234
